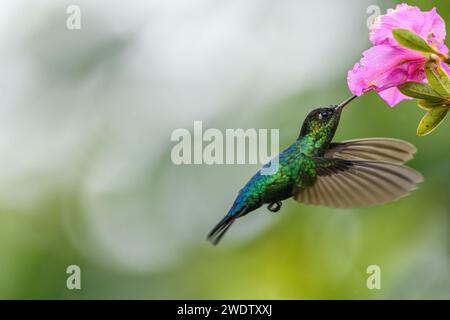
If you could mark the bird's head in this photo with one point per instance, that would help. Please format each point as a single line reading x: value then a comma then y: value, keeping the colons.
x: 323, y: 121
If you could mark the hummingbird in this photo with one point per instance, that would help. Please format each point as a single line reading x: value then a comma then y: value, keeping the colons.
x: 316, y: 171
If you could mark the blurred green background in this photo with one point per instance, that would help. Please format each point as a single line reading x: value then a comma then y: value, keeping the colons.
x: 85, y: 170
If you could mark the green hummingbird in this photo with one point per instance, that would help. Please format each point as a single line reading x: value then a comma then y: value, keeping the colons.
x: 316, y: 171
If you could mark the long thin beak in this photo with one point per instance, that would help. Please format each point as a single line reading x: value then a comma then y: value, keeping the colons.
x: 341, y: 106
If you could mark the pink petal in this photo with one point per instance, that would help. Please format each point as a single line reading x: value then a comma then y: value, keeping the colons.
x: 446, y: 68
x: 392, y: 96
x: 442, y: 48
x: 434, y: 29
x: 383, y: 67
x: 404, y: 16
x: 429, y: 25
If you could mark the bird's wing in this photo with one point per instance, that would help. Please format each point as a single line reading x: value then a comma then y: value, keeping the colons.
x: 344, y: 183
x: 383, y: 149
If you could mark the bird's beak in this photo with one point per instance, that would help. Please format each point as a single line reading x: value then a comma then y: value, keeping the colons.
x: 341, y: 106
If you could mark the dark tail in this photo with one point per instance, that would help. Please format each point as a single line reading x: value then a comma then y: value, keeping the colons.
x: 220, y: 229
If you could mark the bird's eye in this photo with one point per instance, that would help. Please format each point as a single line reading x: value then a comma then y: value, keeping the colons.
x: 324, y: 115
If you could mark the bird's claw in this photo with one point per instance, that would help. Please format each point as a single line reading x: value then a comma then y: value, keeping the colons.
x: 274, y: 206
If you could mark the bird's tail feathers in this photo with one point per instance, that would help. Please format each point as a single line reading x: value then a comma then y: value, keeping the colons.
x: 220, y: 229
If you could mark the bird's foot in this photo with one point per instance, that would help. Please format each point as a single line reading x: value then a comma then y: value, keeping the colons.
x: 274, y: 206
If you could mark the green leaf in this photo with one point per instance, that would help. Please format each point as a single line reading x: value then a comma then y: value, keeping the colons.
x: 411, y: 40
x: 428, y: 105
x: 431, y: 120
x: 419, y: 91
x: 438, y: 79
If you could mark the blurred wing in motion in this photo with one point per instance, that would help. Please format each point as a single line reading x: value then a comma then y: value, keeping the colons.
x: 358, y: 183
x: 382, y: 149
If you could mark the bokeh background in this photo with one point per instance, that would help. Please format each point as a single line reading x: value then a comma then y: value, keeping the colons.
x: 85, y: 171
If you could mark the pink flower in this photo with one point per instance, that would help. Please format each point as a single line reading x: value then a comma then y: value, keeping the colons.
x: 387, y: 64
